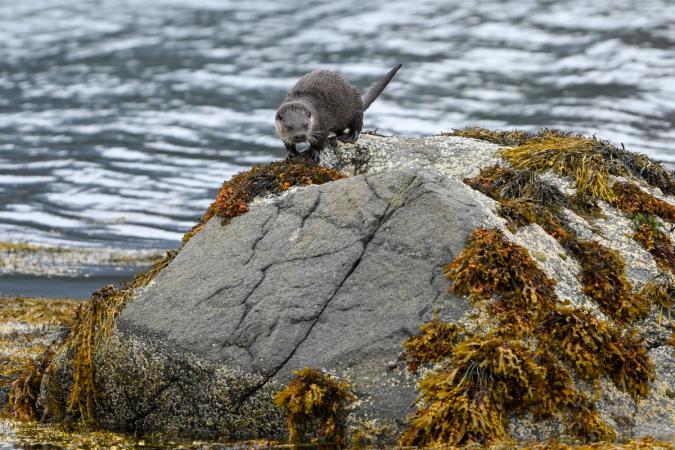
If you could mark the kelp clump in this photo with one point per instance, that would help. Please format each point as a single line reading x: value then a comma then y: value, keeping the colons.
x: 595, y: 348
x: 25, y: 389
x: 592, y: 163
x: 643, y: 208
x: 30, y: 326
x: 519, y: 366
x: 631, y: 199
x: 570, y: 155
x: 467, y: 402
x: 92, y: 325
x: 526, y: 199
x: 657, y: 243
x: 661, y: 292
x: 646, y: 443
x: 603, y: 277
x: 589, y: 161
x: 575, y: 155
x: 264, y: 179
x: 313, y: 398
x: 435, y: 342
x: 491, y: 267
x: 509, y: 137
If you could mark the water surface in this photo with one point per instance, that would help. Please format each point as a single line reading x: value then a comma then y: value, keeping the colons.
x: 120, y: 119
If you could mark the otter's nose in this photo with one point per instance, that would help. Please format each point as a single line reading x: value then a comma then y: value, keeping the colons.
x: 299, y: 138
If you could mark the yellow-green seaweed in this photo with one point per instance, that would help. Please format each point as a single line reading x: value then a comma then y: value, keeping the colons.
x: 313, y: 396
x: 508, y: 137
x: 492, y: 267
x: 518, y: 366
x: 276, y: 177
x: 434, y: 342
x: 602, y: 273
x: 591, y: 162
x: 30, y: 325
x: 595, y: 348
x: 92, y: 325
x: 588, y: 160
x: 660, y: 291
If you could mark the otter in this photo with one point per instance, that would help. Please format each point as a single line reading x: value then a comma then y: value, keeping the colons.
x: 323, y: 102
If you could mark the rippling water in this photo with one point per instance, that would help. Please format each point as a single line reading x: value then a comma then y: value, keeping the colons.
x: 120, y: 119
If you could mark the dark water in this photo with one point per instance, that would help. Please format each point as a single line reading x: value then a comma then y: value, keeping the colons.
x: 120, y: 119
x: 72, y: 287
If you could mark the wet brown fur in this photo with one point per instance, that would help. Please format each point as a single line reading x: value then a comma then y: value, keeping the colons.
x: 332, y: 105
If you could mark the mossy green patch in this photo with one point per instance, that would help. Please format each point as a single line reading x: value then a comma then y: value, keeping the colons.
x: 315, y: 398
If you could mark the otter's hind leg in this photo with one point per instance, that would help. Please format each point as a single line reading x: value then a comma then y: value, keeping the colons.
x: 355, y: 127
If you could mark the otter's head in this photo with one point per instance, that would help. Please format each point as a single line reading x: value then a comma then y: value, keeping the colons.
x: 294, y: 123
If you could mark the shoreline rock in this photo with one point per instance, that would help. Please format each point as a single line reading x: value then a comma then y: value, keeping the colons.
x: 335, y: 277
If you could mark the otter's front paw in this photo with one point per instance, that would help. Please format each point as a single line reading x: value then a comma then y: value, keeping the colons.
x: 350, y: 137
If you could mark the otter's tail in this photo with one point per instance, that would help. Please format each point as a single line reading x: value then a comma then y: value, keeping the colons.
x: 372, y: 93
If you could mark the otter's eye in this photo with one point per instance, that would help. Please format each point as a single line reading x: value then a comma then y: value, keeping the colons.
x: 309, y: 114
x: 279, y: 117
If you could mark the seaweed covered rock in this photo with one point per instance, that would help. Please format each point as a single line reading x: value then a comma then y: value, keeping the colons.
x: 335, y: 276
x: 363, y: 293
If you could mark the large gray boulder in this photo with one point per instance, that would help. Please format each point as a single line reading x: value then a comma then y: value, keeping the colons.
x: 334, y: 277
